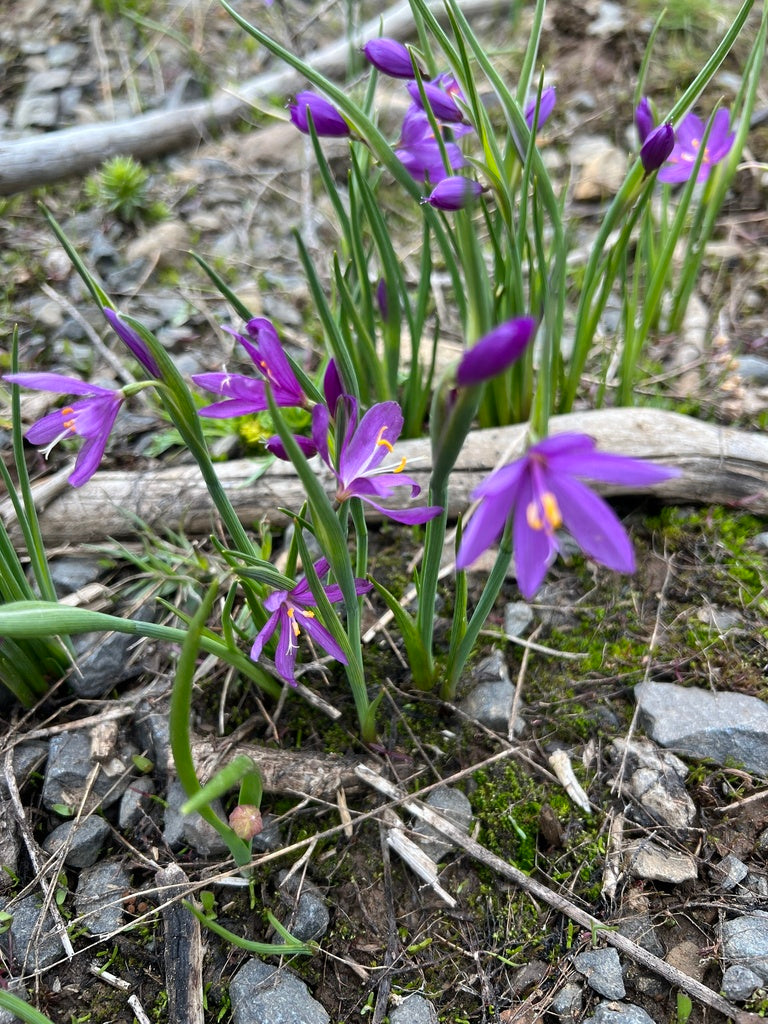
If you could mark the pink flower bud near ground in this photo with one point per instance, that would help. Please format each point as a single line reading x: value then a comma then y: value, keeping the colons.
x: 245, y: 821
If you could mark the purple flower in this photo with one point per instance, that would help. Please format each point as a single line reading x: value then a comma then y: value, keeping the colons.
x: 92, y: 418
x: 689, y: 137
x: 546, y: 106
x: 382, y: 299
x: 542, y: 493
x: 453, y: 193
x: 658, y: 144
x: 245, y: 395
x: 325, y: 117
x: 390, y: 57
x: 644, y: 119
x: 291, y: 611
x: 425, y: 161
x: 495, y: 351
x: 441, y: 95
x: 134, y: 342
x: 361, y: 449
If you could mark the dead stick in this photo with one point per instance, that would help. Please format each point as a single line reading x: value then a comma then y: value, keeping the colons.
x: 183, y: 952
x: 557, y: 902
x: 29, y: 162
x: 720, y: 465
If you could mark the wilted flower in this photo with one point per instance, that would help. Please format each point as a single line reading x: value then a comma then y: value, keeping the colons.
x: 325, y: 117
x: 390, y: 57
x: 453, y: 193
x: 291, y: 611
x: 546, y: 106
x: 361, y: 448
x: 541, y: 493
x: 690, y: 134
x: 441, y: 95
x: 245, y: 395
x: 658, y: 144
x: 134, y: 342
x: 92, y: 418
x: 495, y: 351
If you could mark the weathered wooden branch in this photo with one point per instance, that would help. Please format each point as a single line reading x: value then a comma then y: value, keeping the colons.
x: 183, y: 950
x: 40, y: 159
x: 720, y: 465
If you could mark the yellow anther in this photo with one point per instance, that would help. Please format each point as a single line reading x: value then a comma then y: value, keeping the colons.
x: 382, y: 441
x: 401, y: 467
x: 544, y: 514
x: 294, y: 623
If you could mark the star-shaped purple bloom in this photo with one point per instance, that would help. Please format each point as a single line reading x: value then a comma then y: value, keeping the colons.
x: 244, y: 395
x: 690, y: 134
x: 92, y: 418
x: 361, y: 450
x: 291, y: 611
x: 542, y: 492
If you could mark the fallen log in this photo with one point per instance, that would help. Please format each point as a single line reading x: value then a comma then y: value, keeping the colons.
x: 29, y: 162
x: 719, y: 465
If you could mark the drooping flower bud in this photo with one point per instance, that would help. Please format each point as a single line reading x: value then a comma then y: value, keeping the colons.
x: 495, y: 351
x: 245, y: 821
x: 644, y: 121
x: 390, y: 57
x: 325, y: 117
x: 657, y: 147
x: 453, y: 193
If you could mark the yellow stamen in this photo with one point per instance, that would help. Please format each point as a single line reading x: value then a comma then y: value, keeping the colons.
x: 544, y: 514
x: 69, y: 424
x: 401, y: 467
x: 381, y: 441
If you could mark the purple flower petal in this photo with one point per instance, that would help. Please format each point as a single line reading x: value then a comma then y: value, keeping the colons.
x: 57, y: 383
x: 657, y: 147
x: 546, y: 106
x: 644, y: 120
x: 325, y: 117
x: 134, y: 342
x: 440, y: 97
x: 390, y: 57
x: 495, y: 351
x: 454, y: 193
x: 593, y: 525
x: 321, y: 636
x: 371, y: 442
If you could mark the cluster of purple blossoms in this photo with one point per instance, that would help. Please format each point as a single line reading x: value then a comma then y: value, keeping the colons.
x: 676, y: 153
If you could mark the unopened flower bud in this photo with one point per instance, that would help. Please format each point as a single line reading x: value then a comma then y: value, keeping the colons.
x: 657, y: 147
x: 495, y: 351
x: 453, y: 193
x: 325, y: 117
x: 245, y: 821
x: 390, y: 57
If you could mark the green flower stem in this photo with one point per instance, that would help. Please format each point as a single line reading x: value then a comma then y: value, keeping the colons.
x: 458, y: 655
x: 24, y: 619
x: 178, y: 728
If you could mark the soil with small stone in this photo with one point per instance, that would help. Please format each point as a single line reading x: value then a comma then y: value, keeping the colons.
x: 609, y: 739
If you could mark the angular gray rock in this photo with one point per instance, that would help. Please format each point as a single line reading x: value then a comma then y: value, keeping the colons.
x: 722, y: 727
x: 263, y: 994
x: 567, y: 1003
x: 105, y: 661
x: 639, y: 928
x: 414, y: 1009
x: 71, y: 758
x: 455, y: 806
x: 646, y: 859
x: 31, y: 942
x: 602, y: 969
x: 739, y: 983
x: 82, y: 839
x: 309, y: 917
x: 619, y: 1013
x: 729, y: 872
x: 99, y: 897
x: 492, y: 694
x: 191, y: 828
x: 656, y: 782
x: 745, y: 942
x: 135, y: 801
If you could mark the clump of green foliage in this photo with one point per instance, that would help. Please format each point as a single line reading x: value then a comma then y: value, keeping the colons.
x: 121, y: 186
